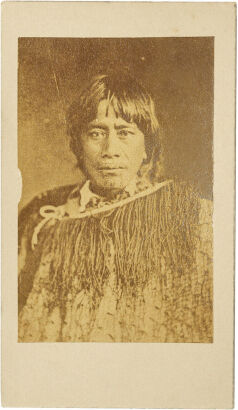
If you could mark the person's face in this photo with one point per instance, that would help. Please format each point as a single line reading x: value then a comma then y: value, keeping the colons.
x: 113, y: 150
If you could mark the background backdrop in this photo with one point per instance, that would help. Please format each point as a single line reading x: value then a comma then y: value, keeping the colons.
x: 51, y: 72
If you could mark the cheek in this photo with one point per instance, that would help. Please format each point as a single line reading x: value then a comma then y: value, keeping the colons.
x: 136, y: 152
x: 90, y: 151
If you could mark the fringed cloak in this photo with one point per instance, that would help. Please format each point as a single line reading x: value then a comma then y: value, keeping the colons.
x: 139, y: 272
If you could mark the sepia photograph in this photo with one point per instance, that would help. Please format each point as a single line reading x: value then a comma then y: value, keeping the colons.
x: 115, y: 149
x: 118, y: 209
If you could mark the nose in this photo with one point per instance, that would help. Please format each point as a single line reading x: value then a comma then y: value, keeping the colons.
x: 110, y: 147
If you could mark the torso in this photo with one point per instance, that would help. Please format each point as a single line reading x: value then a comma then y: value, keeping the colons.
x: 139, y: 272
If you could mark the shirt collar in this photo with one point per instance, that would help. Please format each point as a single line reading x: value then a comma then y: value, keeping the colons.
x: 86, y: 193
x: 79, y: 198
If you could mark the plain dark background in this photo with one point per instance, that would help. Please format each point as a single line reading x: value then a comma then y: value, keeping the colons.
x: 51, y: 72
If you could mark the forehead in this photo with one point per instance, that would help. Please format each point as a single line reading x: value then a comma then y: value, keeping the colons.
x: 106, y: 113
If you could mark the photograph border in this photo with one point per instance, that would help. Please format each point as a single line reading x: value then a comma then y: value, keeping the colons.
x: 122, y: 375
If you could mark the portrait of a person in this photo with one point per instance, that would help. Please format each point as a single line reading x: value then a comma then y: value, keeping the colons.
x: 125, y: 256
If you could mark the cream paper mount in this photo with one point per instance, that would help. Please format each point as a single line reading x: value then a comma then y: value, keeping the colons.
x: 120, y: 375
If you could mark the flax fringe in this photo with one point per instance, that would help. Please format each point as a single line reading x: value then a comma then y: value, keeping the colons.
x: 154, y: 239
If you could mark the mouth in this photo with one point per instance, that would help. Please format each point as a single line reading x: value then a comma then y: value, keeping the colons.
x: 110, y: 168
x: 111, y: 171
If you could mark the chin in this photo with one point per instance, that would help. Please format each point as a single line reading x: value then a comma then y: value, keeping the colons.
x: 112, y: 183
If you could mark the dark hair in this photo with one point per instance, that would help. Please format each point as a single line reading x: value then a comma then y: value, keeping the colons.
x: 130, y: 101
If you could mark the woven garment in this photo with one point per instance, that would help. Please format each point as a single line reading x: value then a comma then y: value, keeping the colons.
x: 139, y: 272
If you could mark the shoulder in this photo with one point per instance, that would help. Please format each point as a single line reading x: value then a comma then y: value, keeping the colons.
x: 184, y: 200
x: 29, y: 216
x: 175, y: 192
x: 185, y: 190
x: 56, y: 196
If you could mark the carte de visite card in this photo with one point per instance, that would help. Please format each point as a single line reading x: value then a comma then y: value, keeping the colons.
x: 118, y: 204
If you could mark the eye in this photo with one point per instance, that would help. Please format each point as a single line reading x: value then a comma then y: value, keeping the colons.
x: 96, y: 134
x: 125, y: 133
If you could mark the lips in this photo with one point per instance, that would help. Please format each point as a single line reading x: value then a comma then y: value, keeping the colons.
x: 110, y: 168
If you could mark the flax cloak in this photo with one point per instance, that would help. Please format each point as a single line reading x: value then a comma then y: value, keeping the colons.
x: 141, y: 272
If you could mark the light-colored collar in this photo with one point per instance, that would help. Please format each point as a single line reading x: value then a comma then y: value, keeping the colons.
x: 86, y: 193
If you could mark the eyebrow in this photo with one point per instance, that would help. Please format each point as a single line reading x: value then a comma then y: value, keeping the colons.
x: 95, y: 124
x: 120, y: 127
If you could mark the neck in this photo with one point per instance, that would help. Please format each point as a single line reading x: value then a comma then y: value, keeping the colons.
x: 112, y: 193
x: 105, y: 193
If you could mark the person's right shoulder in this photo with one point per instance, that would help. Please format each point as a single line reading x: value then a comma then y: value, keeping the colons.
x: 29, y: 216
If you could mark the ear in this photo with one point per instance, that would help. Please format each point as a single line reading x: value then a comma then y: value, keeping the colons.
x: 144, y: 156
